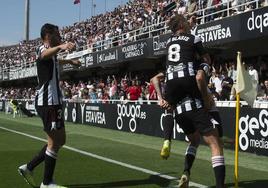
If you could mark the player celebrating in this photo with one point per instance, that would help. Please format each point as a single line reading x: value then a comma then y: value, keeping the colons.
x: 183, y: 94
x: 48, y: 104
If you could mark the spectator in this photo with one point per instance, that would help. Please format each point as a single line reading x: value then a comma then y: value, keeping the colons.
x: 134, y: 91
x: 263, y: 92
x: 227, y: 84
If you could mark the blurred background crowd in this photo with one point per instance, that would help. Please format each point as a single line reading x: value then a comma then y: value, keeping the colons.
x: 114, y: 28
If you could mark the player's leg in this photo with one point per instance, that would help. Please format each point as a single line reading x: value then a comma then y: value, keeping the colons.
x: 209, y: 132
x: 168, y: 124
x: 188, y: 128
x: 26, y: 170
x: 213, y: 141
x: 56, y: 137
x: 190, y: 154
x: 194, y: 140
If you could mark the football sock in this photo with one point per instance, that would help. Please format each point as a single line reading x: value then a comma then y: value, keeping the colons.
x: 168, y: 124
x: 219, y: 170
x: 50, y: 163
x: 39, y: 158
x: 189, y: 158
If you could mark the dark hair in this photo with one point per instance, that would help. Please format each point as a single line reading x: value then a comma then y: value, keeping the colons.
x: 47, y: 29
x: 177, y: 22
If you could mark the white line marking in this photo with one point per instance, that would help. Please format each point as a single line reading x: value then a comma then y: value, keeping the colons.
x: 107, y: 159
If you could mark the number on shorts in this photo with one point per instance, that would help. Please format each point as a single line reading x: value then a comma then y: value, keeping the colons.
x: 59, y: 114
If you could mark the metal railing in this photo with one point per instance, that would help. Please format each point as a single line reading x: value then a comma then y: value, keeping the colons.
x: 204, y: 15
x: 231, y: 104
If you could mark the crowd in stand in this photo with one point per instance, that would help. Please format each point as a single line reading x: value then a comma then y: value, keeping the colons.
x: 118, y: 87
x: 114, y: 28
x: 134, y: 15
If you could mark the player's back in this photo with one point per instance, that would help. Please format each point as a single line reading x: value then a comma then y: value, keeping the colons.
x: 181, y: 49
x: 180, y: 73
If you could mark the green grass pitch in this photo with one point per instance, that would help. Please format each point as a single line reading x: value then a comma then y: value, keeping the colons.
x: 76, y: 170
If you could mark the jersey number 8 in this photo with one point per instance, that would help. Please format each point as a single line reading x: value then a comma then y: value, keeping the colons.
x: 174, y: 52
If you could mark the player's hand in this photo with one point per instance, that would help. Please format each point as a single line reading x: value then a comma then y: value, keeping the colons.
x: 67, y: 46
x: 164, y: 104
x: 76, y: 63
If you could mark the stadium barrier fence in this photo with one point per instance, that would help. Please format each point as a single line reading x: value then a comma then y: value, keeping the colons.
x: 142, y: 118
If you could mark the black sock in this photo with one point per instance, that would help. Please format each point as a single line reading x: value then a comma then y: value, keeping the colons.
x: 50, y: 163
x: 189, y: 158
x: 219, y: 170
x: 168, y: 124
x: 39, y: 158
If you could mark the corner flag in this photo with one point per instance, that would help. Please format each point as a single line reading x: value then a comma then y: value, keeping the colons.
x: 246, y: 86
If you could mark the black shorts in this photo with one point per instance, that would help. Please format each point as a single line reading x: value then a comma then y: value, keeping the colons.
x: 195, y: 120
x: 216, y: 121
x: 51, y: 117
x: 179, y: 88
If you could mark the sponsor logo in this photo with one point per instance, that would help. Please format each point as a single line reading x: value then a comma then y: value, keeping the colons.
x: 67, y: 67
x: 93, y: 115
x: 134, y: 50
x: 89, y: 60
x: 131, y: 111
x: 213, y: 33
x: 258, y: 22
x: 74, y: 113
x: 253, y: 131
x: 104, y: 57
x: 66, y: 112
x: 22, y: 73
x: 159, y: 45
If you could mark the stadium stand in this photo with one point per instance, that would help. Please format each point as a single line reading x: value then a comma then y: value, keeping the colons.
x: 125, y: 26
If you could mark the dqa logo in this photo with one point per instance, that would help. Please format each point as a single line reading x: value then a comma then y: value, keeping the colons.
x: 259, y: 22
x: 131, y: 111
x: 250, y: 127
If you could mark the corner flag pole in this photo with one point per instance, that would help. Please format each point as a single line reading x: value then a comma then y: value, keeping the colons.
x: 237, y: 128
x: 236, y: 137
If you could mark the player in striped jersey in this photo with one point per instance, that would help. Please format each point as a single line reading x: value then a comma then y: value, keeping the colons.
x: 49, y: 104
x: 187, y: 94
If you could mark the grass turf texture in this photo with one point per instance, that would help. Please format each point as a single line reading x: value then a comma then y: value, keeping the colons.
x: 79, y: 171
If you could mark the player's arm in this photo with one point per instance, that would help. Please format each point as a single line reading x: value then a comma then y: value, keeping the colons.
x: 202, y: 86
x: 203, y: 71
x: 47, y: 53
x: 156, y: 82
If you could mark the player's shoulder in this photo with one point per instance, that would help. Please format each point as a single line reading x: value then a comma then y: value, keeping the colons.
x: 42, y: 47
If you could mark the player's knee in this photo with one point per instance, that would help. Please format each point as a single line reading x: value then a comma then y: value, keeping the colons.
x: 195, y: 142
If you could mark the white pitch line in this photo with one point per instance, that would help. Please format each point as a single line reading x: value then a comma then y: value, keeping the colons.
x: 108, y: 160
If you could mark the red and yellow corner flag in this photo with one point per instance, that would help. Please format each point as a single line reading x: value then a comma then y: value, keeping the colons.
x: 245, y: 85
x: 76, y: 2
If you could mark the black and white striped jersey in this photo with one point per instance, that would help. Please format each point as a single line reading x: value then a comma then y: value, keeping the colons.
x: 48, y: 91
x: 188, y: 104
x: 181, y: 58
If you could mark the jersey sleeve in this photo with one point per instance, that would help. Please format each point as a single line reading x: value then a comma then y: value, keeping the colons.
x: 199, y: 46
x: 40, y: 50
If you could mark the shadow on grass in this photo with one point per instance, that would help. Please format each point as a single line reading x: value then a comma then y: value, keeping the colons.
x: 249, y: 184
x: 152, y: 180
